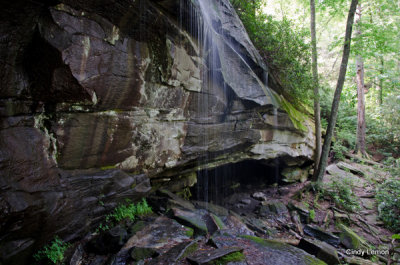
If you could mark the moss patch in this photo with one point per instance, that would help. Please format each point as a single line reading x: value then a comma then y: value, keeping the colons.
x: 189, y: 250
x: 108, y: 167
x: 218, y: 221
x: 189, y: 232
x: 351, y: 239
x: 233, y: 257
x: 298, y: 119
x: 310, y: 260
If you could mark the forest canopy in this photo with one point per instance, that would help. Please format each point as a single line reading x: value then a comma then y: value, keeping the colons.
x: 280, y: 30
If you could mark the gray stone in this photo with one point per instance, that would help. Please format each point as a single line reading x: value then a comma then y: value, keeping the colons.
x: 246, y: 201
x: 192, y: 219
x: 294, y: 174
x: 259, y: 196
x: 322, y: 235
x: 350, y: 168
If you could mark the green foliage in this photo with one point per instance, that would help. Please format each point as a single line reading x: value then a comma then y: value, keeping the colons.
x: 312, y: 214
x: 341, y: 192
x: 383, y: 127
x: 388, y: 197
x: 54, y: 252
x: 283, y: 46
x: 128, y: 211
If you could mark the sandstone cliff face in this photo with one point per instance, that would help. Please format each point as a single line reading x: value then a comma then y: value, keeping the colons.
x: 99, y: 97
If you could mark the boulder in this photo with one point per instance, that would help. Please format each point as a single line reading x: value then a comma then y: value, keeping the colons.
x: 259, y: 196
x: 294, y: 174
x: 351, y: 240
x: 193, y: 219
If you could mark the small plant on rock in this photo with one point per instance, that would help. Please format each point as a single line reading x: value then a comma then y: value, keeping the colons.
x: 54, y: 252
x: 128, y: 211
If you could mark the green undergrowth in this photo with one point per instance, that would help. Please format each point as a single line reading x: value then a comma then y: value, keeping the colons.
x: 233, y: 257
x: 388, y: 197
x: 53, y: 252
x: 125, y: 211
x: 341, y: 192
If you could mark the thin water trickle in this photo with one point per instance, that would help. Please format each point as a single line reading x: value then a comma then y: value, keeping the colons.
x: 206, y: 30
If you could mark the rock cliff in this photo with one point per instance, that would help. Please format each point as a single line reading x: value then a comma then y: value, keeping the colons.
x: 98, y: 98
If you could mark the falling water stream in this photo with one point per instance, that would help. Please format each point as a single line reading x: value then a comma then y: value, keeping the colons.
x: 206, y: 31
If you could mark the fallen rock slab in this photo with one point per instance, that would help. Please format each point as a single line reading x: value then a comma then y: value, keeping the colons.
x: 205, y: 257
x: 320, y: 249
x: 175, y: 254
x: 347, y: 167
x: 322, y: 235
x: 192, y: 219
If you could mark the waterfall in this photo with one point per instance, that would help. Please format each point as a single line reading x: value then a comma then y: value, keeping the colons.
x: 200, y: 19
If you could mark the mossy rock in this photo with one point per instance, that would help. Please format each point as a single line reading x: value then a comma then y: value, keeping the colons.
x: 298, y: 119
x: 284, y: 248
x: 351, y: 240
x: 191, y: 219
x: 233, y: 257
x: 138, y: 253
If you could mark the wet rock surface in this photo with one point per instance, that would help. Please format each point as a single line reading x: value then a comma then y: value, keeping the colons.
x: 99, y: 97
x: 240, y: 235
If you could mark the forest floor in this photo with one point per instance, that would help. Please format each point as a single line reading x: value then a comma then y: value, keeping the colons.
x: 287, y: 224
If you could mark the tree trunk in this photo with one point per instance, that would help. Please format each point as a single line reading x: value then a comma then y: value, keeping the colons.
x: 381, y: 83
x: 360, y: 142
x: 317, y: 112
x: 338, y: 91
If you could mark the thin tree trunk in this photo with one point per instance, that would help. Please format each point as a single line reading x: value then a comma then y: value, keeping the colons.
x: 360, y: 143
x: 317, y: 112
x: 381, y: 83
x: 336, y: 98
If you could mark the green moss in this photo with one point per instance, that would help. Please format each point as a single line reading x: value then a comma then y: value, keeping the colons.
x: 218, y: 221
x: 137, y: 227
x: 264, y: 242
x: 298, y: 119
x: 189, y: 250
x: 310, y: 260
x: 351, y: 239
x: 189, y: 231
x: 233, y: 257
x: 108, y: 167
